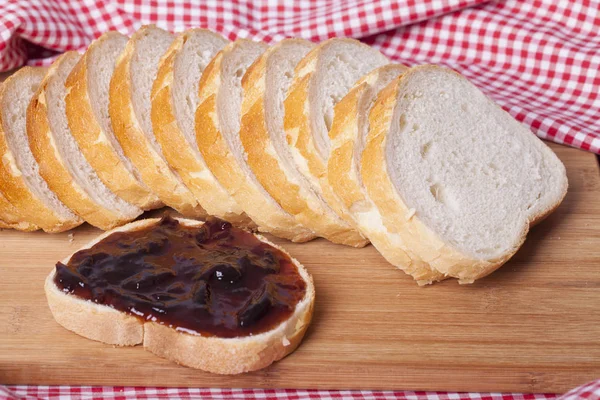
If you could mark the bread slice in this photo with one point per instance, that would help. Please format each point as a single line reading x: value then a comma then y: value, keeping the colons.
x: 214, y: 354
x: 263, y: 137
x: 90, y: 125
x: 455, y: 176
x: 218, y: 136
x: 60, y: 161
x: 174, y: 102
x: 10, y: 217
x: 129, y: 110
x: 20, y: 180
x: 347, y: 135
x: 321, y: 79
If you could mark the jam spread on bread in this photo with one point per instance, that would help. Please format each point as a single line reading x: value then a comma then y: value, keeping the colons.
x: 213, y: 280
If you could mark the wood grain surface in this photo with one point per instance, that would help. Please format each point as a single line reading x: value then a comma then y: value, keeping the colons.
x: 533, y: 326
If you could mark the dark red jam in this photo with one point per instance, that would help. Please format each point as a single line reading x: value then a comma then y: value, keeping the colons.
x: 215, y: 280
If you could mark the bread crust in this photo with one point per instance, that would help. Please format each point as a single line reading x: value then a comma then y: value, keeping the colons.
x: 153, y: 169
x: 300, y: 140
x: 213, y: 146
x: 52, y: 167
x: 194, y: 172
x: 213, y: 354
x: 419, y: 242
x: 93, y: 141
x: 342, y: 170
x: 12, y: 184
x: 11, y: 217
x: 299, y: 136
x: 344, y: 179
x: 270, y: 169
x: 253, y: 126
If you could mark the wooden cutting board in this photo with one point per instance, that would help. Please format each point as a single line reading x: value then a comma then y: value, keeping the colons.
x: 533, y: 326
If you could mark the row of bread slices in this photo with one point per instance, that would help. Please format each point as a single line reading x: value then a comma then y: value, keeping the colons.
x: 264, y: 137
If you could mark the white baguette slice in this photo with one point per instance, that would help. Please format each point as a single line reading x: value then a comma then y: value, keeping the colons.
x: 321, y: 80
x: 60, y: 161
x: 265, y: 85
x: 129, y: 109
x: 455, y: 176
x: 174, y: 102
x: 218, y: 355
x: 218, y: 135
x: 262, y: 135
x: 89, y: 122
x: 11, y: 218
x: 348, y: 134
x: 20, y: 179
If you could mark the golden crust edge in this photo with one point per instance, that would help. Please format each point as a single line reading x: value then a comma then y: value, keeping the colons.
x: 222, y: 163
x: 341, y: 165
x: 270, y: 217
x: 51, y: 166
x: 87, y: 132
x: 16, y: 191
x: 323, y: 220
x: 211, y: 196
x: 156, y: 174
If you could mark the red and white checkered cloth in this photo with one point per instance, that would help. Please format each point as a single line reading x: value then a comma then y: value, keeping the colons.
x: 591, y: 391
x: 539, y: 59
